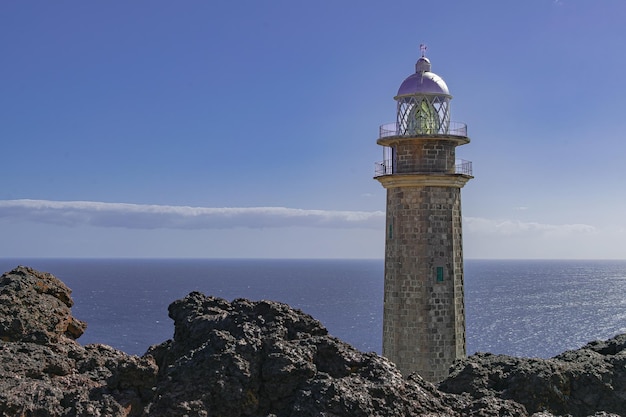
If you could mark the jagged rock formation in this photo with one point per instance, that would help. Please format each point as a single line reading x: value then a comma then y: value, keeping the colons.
x: 577, y: 382
x: 264, y: 358
x: 36, y: 307
x: 45, y: 372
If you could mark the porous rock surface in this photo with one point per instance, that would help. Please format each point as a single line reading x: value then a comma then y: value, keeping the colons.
x: 45, y: 372
x: 264, y: 358
x: 36, y: 307
x: 577, y: 382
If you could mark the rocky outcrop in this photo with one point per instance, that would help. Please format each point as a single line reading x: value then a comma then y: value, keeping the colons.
x: 245, y: 358
x: 578, y: 382
x: 45, y: 372
x: 36, y: 307
x: 264, y: 358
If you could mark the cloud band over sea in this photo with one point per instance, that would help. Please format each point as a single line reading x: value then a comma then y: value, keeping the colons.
x: 140, y: 216
x: 147, y: 216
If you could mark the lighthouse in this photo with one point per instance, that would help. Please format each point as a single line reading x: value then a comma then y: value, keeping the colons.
x: 424, y: 315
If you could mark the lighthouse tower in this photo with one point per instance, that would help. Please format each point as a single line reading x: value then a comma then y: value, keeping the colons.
x: 424, y: 317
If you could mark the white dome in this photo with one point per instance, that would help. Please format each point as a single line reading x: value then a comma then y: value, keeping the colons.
x: 423, y: 81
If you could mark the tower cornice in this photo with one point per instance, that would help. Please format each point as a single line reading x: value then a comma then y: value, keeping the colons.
x: 394, y: 140
x: 424, y: 180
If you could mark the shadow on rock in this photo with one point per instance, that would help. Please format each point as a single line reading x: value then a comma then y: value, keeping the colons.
x: 245, y: 358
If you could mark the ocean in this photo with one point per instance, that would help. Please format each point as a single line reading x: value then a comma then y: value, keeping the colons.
x: 532, y: 308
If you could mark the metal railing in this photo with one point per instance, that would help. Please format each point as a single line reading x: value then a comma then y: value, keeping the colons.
x: 463, y: 167
x: 385, y: 167
x: 452, y: 129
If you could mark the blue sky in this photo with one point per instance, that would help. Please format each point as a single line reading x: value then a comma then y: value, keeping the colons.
x: 248, y: 129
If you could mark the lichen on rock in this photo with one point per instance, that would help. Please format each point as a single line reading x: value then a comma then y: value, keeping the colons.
x: 36, y: 306
x: 45, y: 372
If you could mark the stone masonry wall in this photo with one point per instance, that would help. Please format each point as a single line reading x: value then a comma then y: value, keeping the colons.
x: 425, y: 156
x: 424, y: 320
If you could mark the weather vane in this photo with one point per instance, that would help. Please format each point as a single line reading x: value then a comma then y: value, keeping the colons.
x: 423, y: 48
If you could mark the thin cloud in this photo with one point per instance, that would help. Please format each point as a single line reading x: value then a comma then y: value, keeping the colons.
x: 143, y: 216
x: 139, y: 216
x: 479, y: 225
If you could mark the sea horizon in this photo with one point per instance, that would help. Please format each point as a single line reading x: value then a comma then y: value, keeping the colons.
x: 285, y: 258
x: 518, y: 307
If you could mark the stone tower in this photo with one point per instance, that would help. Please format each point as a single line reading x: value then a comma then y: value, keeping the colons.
x: 424, y: 316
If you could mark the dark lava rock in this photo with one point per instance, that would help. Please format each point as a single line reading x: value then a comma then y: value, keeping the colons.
x: 35, y: 307
x: 245, y: 358
x: 266, y: 359
x: 578, y: 382
x: 44, y: 372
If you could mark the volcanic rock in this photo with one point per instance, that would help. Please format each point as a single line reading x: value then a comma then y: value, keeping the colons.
x: 263, y: 358
x: 35, y: 307
x: 45, y: 372
x: 266, y: 359
x: 577, y: 382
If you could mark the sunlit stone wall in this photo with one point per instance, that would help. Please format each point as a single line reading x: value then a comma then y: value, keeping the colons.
x: 424, y: 318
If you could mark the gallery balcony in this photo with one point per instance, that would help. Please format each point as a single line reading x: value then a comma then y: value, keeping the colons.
x: 461, y: 167
x: 425, y: 128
